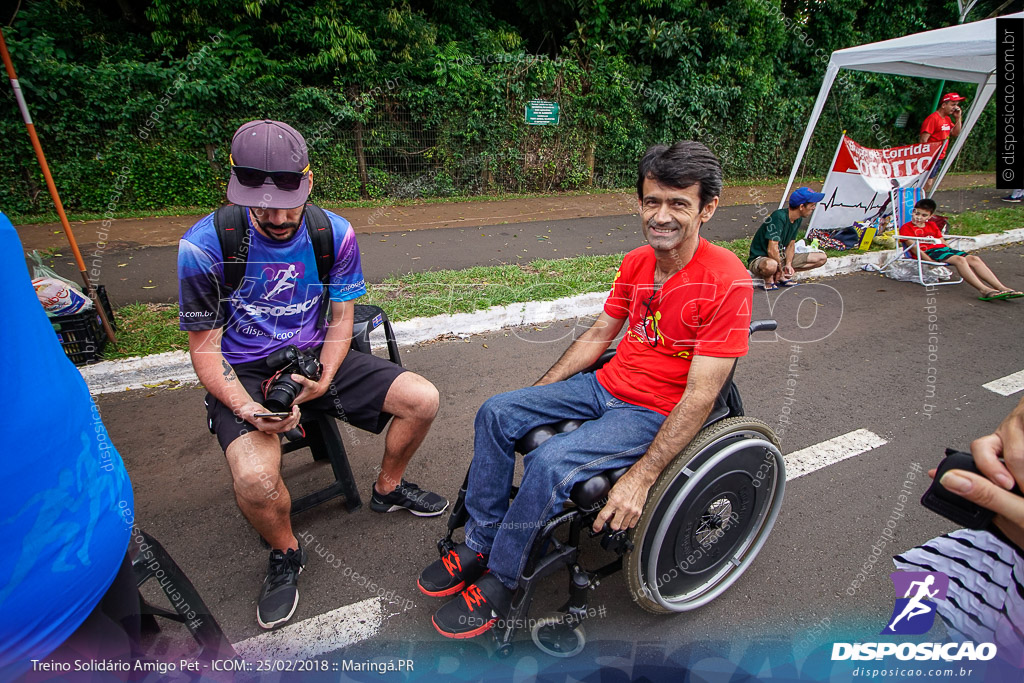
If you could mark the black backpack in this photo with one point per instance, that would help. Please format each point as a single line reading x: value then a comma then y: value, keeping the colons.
x: 231, y: 224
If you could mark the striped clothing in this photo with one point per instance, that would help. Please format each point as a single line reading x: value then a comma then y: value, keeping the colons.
x: 985, y: 602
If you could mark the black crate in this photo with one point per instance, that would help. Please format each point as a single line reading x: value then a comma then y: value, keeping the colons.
x: 81, y: 334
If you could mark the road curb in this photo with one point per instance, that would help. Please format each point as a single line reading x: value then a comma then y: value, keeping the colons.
x: 175, y: 366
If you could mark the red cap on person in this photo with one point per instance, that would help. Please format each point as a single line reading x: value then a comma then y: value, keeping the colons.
x: 951, y: 97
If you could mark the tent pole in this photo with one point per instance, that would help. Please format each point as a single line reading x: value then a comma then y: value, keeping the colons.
x: 90, y: 290
x: 839, y: 148
x: 984, y: 93
x: 819, y: 104
x: 938, y: 95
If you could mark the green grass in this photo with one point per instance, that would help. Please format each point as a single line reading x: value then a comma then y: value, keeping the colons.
x: 74, y: 217
x: 992, y: 220
x: 145, y: 329
x: 442, y: 292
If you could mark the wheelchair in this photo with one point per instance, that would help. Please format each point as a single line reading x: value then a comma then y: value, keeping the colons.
x: 706, y: 518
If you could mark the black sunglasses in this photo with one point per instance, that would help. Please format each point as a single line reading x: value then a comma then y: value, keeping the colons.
x: 256, y: 177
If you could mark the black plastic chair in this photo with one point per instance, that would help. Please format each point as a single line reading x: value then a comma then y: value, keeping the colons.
x: 321, y: 430
x: 152, y: 561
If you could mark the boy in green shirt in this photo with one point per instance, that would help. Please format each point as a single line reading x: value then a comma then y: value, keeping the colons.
x: 773, y: 256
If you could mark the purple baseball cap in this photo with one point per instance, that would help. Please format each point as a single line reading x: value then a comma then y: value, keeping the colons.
x: 268, y: 146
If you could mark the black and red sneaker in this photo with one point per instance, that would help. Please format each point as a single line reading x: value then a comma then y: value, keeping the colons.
x: 475, y: 610
x: 453, y: 572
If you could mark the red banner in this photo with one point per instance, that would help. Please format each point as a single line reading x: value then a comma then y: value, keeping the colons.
x: 860, y: 179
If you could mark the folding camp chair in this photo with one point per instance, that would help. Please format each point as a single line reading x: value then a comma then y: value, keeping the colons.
x: 908, y: 249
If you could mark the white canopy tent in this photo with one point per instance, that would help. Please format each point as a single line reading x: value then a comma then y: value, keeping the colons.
x: 956, y: 53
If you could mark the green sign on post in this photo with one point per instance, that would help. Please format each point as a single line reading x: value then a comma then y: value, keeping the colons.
x: 541, y: 113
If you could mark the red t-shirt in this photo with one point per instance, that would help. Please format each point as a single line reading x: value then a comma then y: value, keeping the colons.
x: 938, y: 127
x: 929, y: 230
x: 704, y: 309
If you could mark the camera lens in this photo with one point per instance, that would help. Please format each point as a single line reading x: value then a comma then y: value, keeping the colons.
x: 281, y: 395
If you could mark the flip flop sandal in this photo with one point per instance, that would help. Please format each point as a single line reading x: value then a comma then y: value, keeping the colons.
x: 769, y: 288
x: 788, y: 283
x: 992, y: 295
x: 1012, y: 294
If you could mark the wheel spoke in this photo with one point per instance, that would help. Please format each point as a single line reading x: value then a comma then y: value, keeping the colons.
x: 711, y: 516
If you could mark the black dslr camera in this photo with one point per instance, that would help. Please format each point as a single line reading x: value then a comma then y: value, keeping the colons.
x: 282, y: 389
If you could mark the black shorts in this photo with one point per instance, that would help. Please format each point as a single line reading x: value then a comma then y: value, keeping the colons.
x: 356, y: 395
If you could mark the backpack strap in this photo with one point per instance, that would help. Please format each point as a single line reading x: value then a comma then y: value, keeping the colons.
x: 231, y: 226
x: 321, y: 234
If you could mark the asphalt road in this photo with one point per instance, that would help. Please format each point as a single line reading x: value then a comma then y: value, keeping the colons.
x: 863, y: 361
x: 149, y: 274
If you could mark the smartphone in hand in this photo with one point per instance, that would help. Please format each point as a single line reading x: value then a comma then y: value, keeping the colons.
x: 952, y: 506
x: 277, y: 415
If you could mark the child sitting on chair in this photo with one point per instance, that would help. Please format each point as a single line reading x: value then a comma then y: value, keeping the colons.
x: 971, y: 268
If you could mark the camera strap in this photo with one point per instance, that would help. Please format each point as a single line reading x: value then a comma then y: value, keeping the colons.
x: 232, y: 226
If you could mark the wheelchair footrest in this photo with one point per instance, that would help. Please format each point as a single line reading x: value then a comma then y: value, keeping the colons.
x: 551, y: 563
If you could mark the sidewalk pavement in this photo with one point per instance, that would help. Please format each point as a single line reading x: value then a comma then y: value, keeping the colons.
x: 132, y: 272
x: 166, y: 230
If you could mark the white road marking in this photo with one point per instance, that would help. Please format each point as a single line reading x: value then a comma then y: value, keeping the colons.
x: 317, y: 635
x: 361, y: 620
x: 1008, y: 385
x: 826, y: 453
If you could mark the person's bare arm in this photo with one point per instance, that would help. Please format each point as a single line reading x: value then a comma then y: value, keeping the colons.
x: 774, y: 253
x: 585, y: 350
x: 220, y: 379
x: 958, y: 125
x: 703, y: 384
x: 925, y: 137
x: 336, y: 347
x: 787, y: 265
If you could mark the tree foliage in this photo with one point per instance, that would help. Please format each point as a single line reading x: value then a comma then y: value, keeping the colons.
x: 426, y: 97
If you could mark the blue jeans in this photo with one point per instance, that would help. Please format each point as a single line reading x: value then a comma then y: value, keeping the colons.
x: 616, y: 435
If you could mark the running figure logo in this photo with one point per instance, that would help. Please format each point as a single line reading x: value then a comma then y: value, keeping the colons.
x: 282, y: 280
x: 914, y: 612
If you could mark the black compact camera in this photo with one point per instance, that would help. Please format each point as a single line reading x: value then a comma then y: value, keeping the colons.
x: 281, y: 392
x: 952, y: 506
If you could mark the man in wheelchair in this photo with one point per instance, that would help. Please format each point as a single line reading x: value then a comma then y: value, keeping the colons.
x: 688, y: 307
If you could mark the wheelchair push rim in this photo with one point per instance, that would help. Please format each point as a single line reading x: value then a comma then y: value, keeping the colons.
x: 707, y: 517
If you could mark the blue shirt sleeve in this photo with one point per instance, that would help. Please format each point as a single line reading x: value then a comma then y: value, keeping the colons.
x: 347, y: 281
x: 200, y: 305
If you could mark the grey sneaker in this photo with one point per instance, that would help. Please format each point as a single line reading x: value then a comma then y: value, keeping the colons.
x: 280, y: 594
x: 409, y: 496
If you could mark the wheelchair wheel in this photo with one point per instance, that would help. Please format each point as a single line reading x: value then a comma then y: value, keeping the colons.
x: 707, y: 516
x: 558, y: 635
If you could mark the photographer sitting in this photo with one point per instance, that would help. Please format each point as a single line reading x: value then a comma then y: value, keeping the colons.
x: 278, y: 300
x: 686, y: 306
